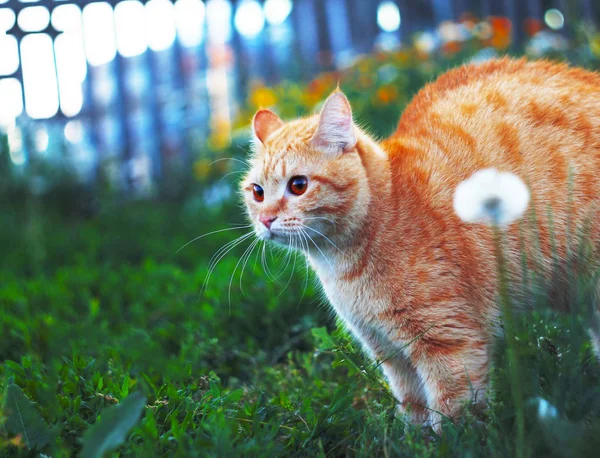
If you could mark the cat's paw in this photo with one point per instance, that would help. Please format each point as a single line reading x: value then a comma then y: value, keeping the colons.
x: 414, y: 412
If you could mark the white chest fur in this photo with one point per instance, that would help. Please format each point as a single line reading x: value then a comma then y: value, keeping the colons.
x: 361, y: 305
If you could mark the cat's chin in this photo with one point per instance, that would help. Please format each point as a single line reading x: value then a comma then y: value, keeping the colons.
x: 279, y: 238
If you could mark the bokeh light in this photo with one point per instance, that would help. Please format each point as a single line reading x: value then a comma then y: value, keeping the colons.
x: 388, y: 16
x: 160, y: 24
x: 12, y: 100
x: 218, y: 19
x: 189, y: 20
x: 39, y: 76
x: 249, y: 18
x: 99, y: 33
x: 130, y: 28
x: 67, y: 18
x: 72, y: 70
x: 7, y: 19
x: 74, y: 131
x: 277, y: 11
x: 554, y: 19
x: 34, y: 18
x: 9, y: 54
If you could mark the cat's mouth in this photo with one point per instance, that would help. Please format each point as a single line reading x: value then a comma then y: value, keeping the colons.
x: 287, y: 236
x: 281, y: 236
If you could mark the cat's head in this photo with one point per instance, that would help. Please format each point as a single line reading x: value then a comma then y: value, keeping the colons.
x: 306, y: 179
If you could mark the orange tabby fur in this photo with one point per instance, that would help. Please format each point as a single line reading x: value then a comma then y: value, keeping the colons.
x: 412, y: 282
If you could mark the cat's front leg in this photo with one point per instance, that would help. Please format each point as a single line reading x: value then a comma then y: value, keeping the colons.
x: 453, y: 370
x: 407, y: 388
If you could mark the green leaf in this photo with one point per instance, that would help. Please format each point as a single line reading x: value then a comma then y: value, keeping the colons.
x: 324, y: 340
x: 111, y: 430
x: 23, y: 419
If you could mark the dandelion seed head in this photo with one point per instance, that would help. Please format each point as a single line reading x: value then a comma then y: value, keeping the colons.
x: 491, y: 197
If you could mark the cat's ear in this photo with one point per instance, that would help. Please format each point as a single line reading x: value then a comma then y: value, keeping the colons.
x: 335, y: 131
x: 265, y: 122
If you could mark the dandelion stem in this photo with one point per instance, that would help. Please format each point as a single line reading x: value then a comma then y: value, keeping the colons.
x: 509, y: 329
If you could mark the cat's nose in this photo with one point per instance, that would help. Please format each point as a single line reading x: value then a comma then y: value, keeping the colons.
x: 267, y: 220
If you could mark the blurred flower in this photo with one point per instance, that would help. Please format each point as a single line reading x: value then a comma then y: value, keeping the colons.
x: 501, y: 28
x: 387, y: 94
x: 17, y: 441
x: 403, y: 57
x: 201, y: 169
x: 263, y: 97
x: 220, y: 136
x: 468, y: 20
x: 546, y: 410
x: 501, y: 25
x: 595, y: 45
x: 483, y: 31
x: 451, y: 47
x: 490, y: 196
x: 425, y: 43
x: 449, y: 31
x: 533, y: 26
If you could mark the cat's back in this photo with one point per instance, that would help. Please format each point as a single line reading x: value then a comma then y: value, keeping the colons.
x: 538, y: 119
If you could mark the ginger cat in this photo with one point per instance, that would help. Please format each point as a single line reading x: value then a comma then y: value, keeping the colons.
x: 414, y: 283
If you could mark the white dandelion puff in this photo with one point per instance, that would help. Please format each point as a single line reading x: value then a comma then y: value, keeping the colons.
x: 491, y: 197
x: 546, y: 410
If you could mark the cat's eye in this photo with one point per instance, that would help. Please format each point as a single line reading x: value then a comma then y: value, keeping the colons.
x: 298, y: 185
x: 259, y: 193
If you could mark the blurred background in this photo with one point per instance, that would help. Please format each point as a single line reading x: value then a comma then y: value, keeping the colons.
x: 135, y: 96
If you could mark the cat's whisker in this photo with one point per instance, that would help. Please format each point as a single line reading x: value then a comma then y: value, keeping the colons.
x: 214, y: 232
x: 265, y: 264
x: 306, y: 218
x: 235, y: 270
x: 256, y: 257
x: 305, y: 249
x: 231, y: 173
x: 322, y: 235
x: 254, y: 245
x: 288, y: 255
x: 244, y: 163
x: 319, y: 249
x: 224, y: 248
x: 222, y: 252
x: 282, y: 271
x: 293, y: 266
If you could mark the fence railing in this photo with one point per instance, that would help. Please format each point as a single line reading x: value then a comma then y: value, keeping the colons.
x: 142, y: 82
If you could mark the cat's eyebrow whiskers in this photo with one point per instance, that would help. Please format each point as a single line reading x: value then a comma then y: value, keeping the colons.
x: 230, y: 159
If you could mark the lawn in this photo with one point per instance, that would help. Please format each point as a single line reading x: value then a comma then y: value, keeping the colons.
x: 114, y: 342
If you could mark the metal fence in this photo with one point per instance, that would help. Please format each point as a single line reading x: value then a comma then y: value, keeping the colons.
x: 143, y: 81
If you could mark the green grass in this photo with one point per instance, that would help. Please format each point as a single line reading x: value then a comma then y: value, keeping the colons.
x: 93, y: 311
